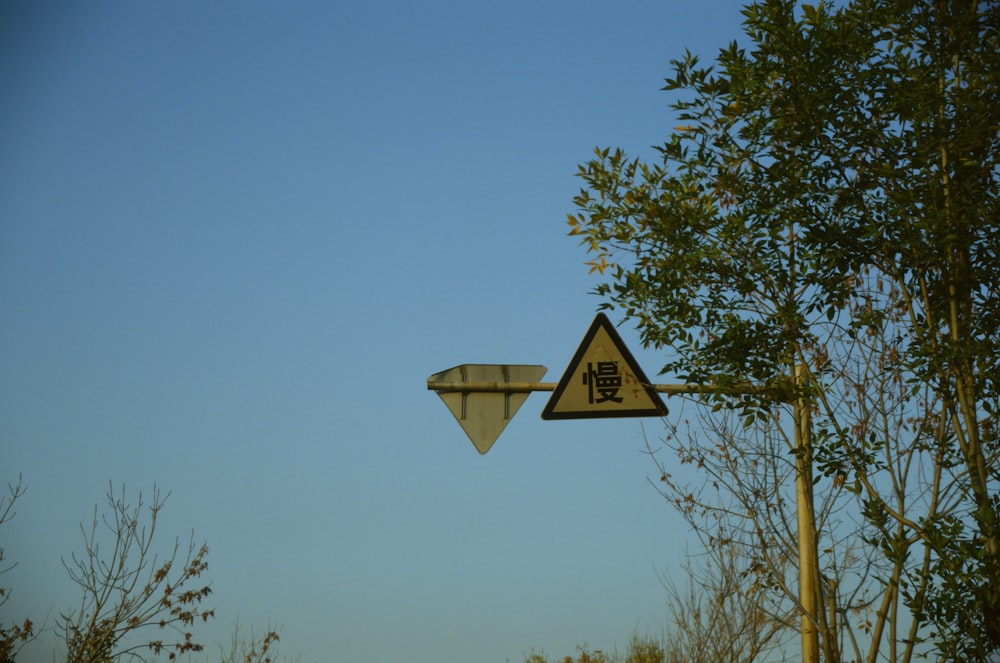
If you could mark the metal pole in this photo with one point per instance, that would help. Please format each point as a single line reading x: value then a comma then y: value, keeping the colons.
x: 809, y: 589
x: 676, y: 389
x: 809, y: 578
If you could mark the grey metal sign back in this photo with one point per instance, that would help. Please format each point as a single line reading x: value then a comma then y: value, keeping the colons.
x: 484, y: 414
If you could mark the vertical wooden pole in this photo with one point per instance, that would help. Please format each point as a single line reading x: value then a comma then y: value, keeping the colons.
x: 808, y: 553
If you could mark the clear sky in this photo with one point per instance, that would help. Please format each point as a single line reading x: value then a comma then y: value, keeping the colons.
x: 235, y: 240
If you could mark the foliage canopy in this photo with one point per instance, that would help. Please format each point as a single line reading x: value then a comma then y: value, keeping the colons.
x: 831, y: 200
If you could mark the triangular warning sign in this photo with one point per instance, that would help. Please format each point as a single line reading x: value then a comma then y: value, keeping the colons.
x: 484, y: 415
x: 603, y: 380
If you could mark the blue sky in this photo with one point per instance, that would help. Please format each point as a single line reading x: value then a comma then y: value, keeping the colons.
x: 235, y: 240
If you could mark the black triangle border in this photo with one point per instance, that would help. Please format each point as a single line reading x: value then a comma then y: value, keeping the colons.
x: 602, y: 321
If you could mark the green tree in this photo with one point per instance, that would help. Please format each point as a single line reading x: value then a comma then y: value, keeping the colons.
x: 828, y: 206
x: 719, y: 614
x: 252, y: 646
x: 13, y: 636
x: 640, y: 650
x: 128, y: 590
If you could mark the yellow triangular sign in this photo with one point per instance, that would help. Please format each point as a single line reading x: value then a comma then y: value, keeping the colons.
x: 603, y: 380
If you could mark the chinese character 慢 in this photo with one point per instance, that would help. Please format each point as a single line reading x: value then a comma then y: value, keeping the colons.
x: 605, y: 380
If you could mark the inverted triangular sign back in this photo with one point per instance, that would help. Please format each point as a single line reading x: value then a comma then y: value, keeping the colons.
x: 603, y: 380
x: 484, y: 415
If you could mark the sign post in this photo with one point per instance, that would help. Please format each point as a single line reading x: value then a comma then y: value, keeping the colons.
x: 604, y: 380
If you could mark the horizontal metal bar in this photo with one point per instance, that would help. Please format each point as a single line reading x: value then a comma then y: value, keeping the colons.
x: 521, y: 387
x: 496, y: 387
